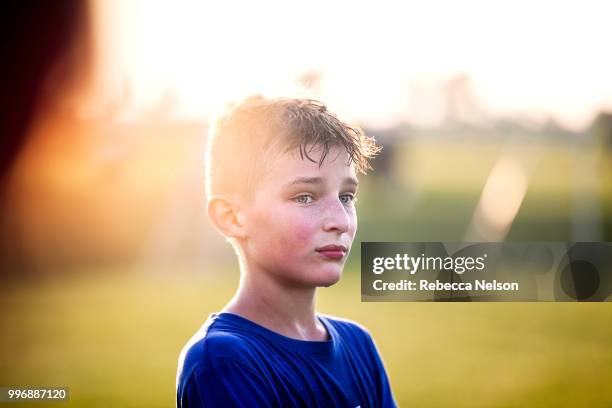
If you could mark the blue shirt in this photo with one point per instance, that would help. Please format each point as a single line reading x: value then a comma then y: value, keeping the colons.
x: 234, y: 362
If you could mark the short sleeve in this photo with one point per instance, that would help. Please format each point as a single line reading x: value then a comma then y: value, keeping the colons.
x: 226, y: 383
x: 385, y: 395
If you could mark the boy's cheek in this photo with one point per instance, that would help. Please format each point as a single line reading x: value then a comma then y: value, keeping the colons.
x: 302, y: 234
x: 293, y: 236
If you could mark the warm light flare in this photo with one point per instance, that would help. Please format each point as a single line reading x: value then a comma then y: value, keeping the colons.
x: 500, y: 201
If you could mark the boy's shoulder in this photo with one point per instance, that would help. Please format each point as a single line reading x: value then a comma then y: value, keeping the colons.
x: 212, y: 342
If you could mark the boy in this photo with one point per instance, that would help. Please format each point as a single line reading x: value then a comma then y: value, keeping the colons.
x: 281, y: 185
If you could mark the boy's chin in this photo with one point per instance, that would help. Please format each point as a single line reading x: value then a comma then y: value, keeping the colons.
x: 328, y: 284
x: 316, y: 277
x: 329, y: 279
x: 319, y: 281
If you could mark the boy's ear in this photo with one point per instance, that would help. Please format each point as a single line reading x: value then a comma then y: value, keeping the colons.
x: 225, y: 214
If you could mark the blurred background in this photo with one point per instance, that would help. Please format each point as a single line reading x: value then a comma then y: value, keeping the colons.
x: 496, y: 123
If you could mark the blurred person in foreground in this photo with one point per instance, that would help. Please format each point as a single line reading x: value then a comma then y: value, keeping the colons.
x: 281, y: 186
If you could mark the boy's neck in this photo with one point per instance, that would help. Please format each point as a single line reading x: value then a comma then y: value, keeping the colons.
x: 289, y: 311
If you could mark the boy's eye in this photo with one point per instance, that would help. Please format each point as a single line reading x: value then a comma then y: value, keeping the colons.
x: 348, y: 198
x: 304, y: 199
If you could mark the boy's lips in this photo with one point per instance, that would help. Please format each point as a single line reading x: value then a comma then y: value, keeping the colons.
x: 332, y: 251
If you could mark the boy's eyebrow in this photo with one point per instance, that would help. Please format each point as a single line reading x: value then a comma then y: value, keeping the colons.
x: 318, y: 180
x: 351, y: 180
x: 305, y: 180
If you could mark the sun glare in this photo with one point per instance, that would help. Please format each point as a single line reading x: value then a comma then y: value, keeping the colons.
x: 374, y: 58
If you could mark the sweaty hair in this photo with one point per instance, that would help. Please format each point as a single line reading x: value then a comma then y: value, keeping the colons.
x: 243, y: 139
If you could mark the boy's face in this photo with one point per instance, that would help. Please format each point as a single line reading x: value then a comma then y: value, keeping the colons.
x: 301, y: 221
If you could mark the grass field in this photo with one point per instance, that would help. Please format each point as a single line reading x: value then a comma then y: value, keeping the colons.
x: 113, y: 337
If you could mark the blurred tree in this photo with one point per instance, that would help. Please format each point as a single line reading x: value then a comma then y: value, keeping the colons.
x: 602, y: 129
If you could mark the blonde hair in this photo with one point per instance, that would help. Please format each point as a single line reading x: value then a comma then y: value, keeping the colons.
x: 241, y: 140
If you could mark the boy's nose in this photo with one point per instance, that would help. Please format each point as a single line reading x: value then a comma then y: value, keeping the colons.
x: 336, y: 217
